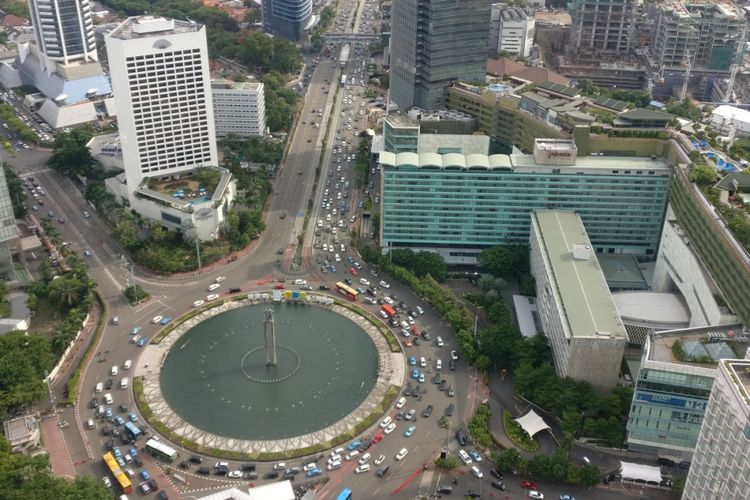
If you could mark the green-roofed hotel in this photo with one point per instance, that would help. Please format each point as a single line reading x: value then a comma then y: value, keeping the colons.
x: 457, y: 204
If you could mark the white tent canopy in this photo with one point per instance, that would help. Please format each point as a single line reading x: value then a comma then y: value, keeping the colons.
x: 633, y: 472
x: 532, y: 423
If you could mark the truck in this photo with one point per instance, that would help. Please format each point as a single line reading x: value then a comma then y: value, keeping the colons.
x: 343, y: 80
x: 344, y: 56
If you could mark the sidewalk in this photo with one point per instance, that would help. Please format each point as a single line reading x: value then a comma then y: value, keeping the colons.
x: 54, y: 443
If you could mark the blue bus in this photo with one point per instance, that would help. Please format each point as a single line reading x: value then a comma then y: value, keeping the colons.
x: 133, y: 430
x: 345, y: 495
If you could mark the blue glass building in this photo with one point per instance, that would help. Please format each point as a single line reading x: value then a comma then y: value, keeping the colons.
x: 457, y: 205
x: 286, y: 18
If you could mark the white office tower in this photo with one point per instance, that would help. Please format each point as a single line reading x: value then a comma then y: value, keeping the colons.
x: 62, y: 64
x: 722, y: 456
x: 239, y: 108
x: 64, y: 29
x: 160, y: 78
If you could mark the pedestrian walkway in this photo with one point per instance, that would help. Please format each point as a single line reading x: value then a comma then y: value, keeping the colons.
x: 54, y: 443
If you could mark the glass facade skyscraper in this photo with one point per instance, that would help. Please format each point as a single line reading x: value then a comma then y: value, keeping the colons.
x: 286, y: 18
x: 457, y: 204
x: 433, y: 44
x: 64, y: 29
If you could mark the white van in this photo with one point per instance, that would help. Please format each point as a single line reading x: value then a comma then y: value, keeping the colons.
x: 114, y: 370
x: 108, y: 398
x: 124, y: 383
x: 440, y: 342
x: 300, y: 282
x: 127, y: 364
x: 99, y: 387
x: 439, y: 364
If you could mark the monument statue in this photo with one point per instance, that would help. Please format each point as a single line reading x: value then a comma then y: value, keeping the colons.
x: 269, y: 328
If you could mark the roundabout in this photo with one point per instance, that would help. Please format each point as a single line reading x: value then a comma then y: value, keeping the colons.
x: 215, y: 387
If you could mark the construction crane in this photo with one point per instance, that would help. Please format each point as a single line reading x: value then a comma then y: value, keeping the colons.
x: 735, y: 67
x: 688, y: 61
x: 656, y: 77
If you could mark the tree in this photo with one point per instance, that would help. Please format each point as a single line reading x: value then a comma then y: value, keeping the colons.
x: 450, y: 462
x: 502, y: 260
x: 507, y: 460
x: 24, y: 361
x: 703, y: 175
x: 66, y: 291
x: 587, y: 87
x: 71, y: 156
x: 16, y: 191
x: 207, y: 178
x: 589, y: 475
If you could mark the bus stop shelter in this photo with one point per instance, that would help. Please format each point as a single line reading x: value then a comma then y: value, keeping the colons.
x: 532, y: 423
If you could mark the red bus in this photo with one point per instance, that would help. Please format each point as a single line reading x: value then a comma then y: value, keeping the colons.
x: 391, y: 312
x: 346, y: 290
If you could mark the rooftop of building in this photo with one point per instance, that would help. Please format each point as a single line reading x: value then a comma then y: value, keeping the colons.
x: 695, y: 342
x: 20, y: 428
x: 736, y: 181
x: 587, y: 304
x: 517, y: 13
x: 221, y: 83
x: 152, y: 26
x: 740, y: 371
x: 415, y: 116
x: 186, y: 193
x: 558, y: 88
x: 515, y: 70
x: 640, y: 114
x: 622, y: 270
x: 652, y: 308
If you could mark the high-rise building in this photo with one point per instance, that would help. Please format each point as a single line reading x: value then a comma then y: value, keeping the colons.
x: 601, y: 26
x: 62, y: 64
x: 162, y: 86
x: 457, y: 205
x: 287, y: 18
x: 722, y: 455
x: 239, y: 108
x: 709, y: 34
x: 434, y: 43
x: 64, y: 29
x: 511, y: 30
x: 575, y: 306
x: 8, y: 230
x: 160, y: 76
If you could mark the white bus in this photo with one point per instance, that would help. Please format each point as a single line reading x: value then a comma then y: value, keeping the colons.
x: 161, y: 450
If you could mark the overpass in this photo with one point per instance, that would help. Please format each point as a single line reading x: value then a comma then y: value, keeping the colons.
x: 349, y: 37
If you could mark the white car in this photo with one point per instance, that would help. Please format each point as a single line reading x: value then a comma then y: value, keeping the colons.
x: 478, y: 473
x: 386, y: 421
x: 385, y: 284
x: 401, y: 402
x: 107, y: 482
x: 213, y: 286
x: 309, y: 466
x: 379, y: 460
x: 536, y: 494
x: 401, y: 454
x: 465, y: 458
x: 198, y: 303
x: 334, y: 465
x: 156, y: 319
x: 364, y: 458
x: 219, y: 279
x: 364, y: 281
x: 362, y: 468
x: 212, y: 296
x: 454, y: 355
x: 235, y: 474
x: 390, y: 428
x: 439, y: 364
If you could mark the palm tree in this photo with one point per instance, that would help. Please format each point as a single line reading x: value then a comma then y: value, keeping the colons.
x: 66, y: 290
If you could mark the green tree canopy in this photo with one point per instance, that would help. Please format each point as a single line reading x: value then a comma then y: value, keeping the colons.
x: 503, y: 260
x: 71, y: 156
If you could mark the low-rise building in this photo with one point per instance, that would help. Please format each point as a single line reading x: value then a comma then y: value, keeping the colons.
x: 22, y: 433
x: 239, y: 108
x: 725, y: 118
x: 575, y: 306
x: 511, y: 30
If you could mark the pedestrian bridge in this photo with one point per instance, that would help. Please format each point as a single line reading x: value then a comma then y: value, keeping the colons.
x: 349, y: 37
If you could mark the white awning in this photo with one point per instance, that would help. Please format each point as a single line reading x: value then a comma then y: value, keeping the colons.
x: 633, y: 472
x: 532, y: 423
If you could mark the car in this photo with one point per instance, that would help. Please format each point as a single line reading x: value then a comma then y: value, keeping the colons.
x: 279, y: 286
x: 565, y: 496
x: 314, y: 472
x: 390, y: 428
x: 400, y: 403
x: 279, y: 466
x: 204, y: 471
x: 496, y: 473
x: 449, y: 410
x: 156, y: 319
x: 109, y: 383
x: 529, y: 485
x: 219, y: 279
x: 309, y: 466
x: 334, y: 464
x: 235, y: 290
x: 478, y: 473
x: 271, y: 475
x: 465, y: 458
x: 454, y: 355
x: 86, y: 214
x: 212, y: 296
x: 385, y: 284
x: 235, y: 474
x: 410, y: 430
x: 196, y: 459
x: 135, y: 330
x: 475, y: 455
x: 87, y: 253
x: 145, y: 475
x: 401, y: 454
x: 379, y: 460
x: 107, y: 482
x: 386, y: 421
x: 364, y: 281
x: 412, y: 361
x: 499, y: 485
x: 133, y: 417
x: 410, y: 414
x: 427, y: 411
x: 166, y: 319
x: 198, y: 303
x: 141, y: 342
x: 472, y: 494
x: 421, y: 378
x: 324, y: 287
x: 213, y: 286
x: 538, y: 495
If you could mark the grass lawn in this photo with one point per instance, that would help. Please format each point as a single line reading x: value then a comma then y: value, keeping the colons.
x: 4, y: 309
x: 46, y: 319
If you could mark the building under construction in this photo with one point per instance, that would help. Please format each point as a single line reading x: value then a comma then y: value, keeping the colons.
x: 601, y: 27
